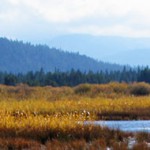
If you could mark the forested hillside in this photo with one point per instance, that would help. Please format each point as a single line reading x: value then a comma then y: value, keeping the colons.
x: 19, y: 57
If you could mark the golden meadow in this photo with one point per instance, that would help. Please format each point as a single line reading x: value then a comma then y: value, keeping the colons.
x: 48, y: 117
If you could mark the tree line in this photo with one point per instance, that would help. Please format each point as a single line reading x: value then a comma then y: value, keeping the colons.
x: 75, y: 77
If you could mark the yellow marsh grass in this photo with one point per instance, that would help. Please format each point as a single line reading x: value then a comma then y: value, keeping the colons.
x: 43, y: 113
x: 80, y: 106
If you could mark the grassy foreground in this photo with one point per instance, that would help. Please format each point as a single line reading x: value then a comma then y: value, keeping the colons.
x: 53, y: 118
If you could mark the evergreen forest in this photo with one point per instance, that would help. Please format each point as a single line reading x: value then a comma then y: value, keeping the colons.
x: 75, y: 77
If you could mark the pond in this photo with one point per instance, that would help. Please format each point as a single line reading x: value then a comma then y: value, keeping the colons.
x: 130, y: 126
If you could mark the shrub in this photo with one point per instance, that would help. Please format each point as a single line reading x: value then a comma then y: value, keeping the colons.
x: 139, y: 89
x: 119, y: 88
x: 141, y: 146
x: 82, y: 89
x: 143, y: 137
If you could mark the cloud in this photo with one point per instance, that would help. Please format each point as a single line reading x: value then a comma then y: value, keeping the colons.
x: 103, y: 17
x: 115, y: 30
x: 67, y: 10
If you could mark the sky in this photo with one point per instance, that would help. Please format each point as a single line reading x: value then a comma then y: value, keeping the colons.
x: 39, y: 20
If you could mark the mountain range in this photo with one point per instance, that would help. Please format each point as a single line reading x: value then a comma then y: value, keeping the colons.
x: 113, y: 49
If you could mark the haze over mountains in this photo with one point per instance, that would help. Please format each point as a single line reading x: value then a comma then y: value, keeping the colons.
x: 120, y: 50
x: 19, y: 57
x: 76, y: 51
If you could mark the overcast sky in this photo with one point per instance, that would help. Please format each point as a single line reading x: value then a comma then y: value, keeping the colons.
x: 36, y: 20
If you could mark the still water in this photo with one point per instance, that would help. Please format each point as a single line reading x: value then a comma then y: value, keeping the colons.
x: 133, y: 126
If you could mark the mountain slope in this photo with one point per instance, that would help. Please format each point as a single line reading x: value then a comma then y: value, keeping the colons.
x: 22, y: 57
x: 136, y: 57
x: 105, y: 48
